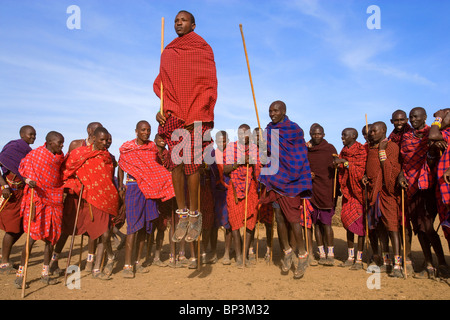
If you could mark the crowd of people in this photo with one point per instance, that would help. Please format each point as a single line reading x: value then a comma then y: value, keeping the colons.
x: 182, y: 180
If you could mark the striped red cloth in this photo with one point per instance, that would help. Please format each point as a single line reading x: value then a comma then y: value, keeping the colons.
x: 382, y: 183
x: 188, y: 74
x: 95, y: 169
x: 443, y: 189
x: 350, y: 182
x: 236, y: 153
x: 141, y: 161
x: 42, y: 166
x: 236, y: 212
x: 413, y: 152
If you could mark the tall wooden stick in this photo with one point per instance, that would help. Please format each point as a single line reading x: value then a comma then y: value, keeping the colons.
x: 404, y: 235
x: 251, y: 81
x: 306, y: 225
x: 199, y: 263
x: 73, y: 233
x: 367, y: 205
x: 162, y: 49
x: 5, y: 201
x: 27, y: 248
x: 245, y: 216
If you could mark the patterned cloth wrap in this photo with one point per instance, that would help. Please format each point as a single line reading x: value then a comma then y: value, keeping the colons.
x: 351, y: 185
x: 443, y: 189
x: 44, y: 167
x: 140, y: 161
x: 95, y: 170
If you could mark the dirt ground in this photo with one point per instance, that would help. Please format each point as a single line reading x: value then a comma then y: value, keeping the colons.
x: 220, y: 282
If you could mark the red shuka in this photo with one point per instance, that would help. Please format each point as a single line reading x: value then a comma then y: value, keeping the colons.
x: 95, y: 169
x: 188, y: 75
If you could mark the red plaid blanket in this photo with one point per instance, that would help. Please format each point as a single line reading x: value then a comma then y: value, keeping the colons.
x: 95, y: 169
x: 42, y: 166
x: 350, y: 181
x: 141, y: 161
x: 238, y: 176
x: 188, y: 74
x: 414, y: 159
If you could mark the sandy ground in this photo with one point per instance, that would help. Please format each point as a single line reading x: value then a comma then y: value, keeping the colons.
x: 220, y: 282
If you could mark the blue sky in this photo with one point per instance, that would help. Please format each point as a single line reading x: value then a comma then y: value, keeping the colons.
x: 316, y: 55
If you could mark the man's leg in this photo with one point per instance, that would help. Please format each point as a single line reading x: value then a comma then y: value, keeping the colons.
x: 195, y: 217
x: 9, y: 240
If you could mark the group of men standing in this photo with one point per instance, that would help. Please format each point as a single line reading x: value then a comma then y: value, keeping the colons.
x: 280, y: 177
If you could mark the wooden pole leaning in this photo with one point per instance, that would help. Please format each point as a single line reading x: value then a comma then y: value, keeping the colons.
x: 199, y: 262
x: 73, y: 233
x: 306, y: 225
x: 5, y: 201
x: 367, y: 207
x: 404, y: 233
x: 27, y: 248
x: 245, y: 217
x: 162, y: 49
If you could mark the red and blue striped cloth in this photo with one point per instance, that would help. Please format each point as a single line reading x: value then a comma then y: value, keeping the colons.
x: 294, y: 174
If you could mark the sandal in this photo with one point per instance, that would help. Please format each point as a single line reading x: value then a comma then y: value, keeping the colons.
x: 159, y: 263
x: 182, y: 226
x: 286, y: 263
x: 226, y: 261
x: 195, y: 228
x: 192, y: 263
x: 347, y: 264
x: 127, y: 272
x: 182, y: 262
x: 7, y: 269
x: 108, y: 269
x: 49, y: 281
x: 358, y: 265
x: 141, y: 269
x: 100, y: 275
x: 301, y: 266
x: 18, y: 283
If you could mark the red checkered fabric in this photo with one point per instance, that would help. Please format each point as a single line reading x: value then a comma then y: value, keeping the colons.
x: 397, y: 137
x: 188, y: 75
x: 236, y: 212
x: 350, y: 182
x: 42, y: 166
x: 140, y: 161
x: 309, y: 211
x: 236, y: 153
x: 177, y: 143
x: 95, y: 169
x: 414, y: 156
x: 382, y: 183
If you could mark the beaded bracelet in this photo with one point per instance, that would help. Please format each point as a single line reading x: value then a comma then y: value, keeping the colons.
x: 382, y: 155
x: 5, y: 187
x: 437, y: 123
x: 346, y: 164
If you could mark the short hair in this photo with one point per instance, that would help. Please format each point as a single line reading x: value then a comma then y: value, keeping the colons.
x: 355, y: 132
x: 25, y: 128
x: 399, y: 111
x: 94, y: 125
x: 281, y: 103
x: 382, y: 124
x: 52, y: 135
x: 141, y: 122
x: 100, y: 130
x: 419, y: 109
x: 222, y: 133
x: 316, y: 125
x: 190, y: 14
x: 244, y: 125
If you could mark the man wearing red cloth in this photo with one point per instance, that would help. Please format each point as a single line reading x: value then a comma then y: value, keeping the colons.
x: 147, y: 181
x: 400, y: 122
x: 382, y: 170
x: 41, y: 169
x: 12, y: 186
x: 188, y: 78
x: 419, y: 182
x: 93, y: 167
x: 352, y: 166
x: 321, y: 205
x: 242, y: 155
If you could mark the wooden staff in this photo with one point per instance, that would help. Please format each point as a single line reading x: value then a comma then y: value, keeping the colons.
x: 81, y: 252
x: 162, y: 49
x: 335, y: 177
x: 367, y: 205
x: 199, y: 263
x: 257, y: 226
x: 5, y: 201
x: 251, y: 81
x: 73, y: 233
x: 306, y: 225
x: 404, y: 235
x: 245, y: 216
x: 27, y: 248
